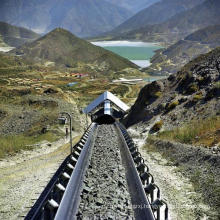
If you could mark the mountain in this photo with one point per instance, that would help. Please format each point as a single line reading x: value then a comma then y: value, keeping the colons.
x: 15, y: 36
x: 187, y: 95
x: 177, y: 55
x: 10, y: 61
x: 63, y: 48
x: 180, y: 25
x: 133, y: 5
x: 83, y: 18
x: 165, y: 9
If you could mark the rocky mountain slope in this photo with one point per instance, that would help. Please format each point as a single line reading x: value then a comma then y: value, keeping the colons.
x: 191, y: 94
x: 165, y: 9
x: 179, y: 118
x: 15, y: 36
x: 177, y: 55
x: 178, y: 26
x: 133, y: 5
x: 83, y: 18
x: 60, y: 47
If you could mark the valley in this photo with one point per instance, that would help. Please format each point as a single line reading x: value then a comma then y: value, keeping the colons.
x: 160, y: 57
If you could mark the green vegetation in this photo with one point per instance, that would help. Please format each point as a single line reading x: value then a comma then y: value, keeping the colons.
x: 217, y: 85
x: 7, y: 61
x: 172, y: 105
x: 12, y: 144
x: 71, y: 51
x: 197, y: 97
x: 158, y: 94
x: 157, y: 126
x: 203, y: 132
x: 32, y: 94
x: 120, y: 90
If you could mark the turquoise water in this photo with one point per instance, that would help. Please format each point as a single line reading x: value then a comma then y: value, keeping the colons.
x: 137, y: 52
x: 134, y: 53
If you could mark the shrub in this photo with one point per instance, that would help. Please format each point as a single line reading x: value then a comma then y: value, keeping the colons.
x: 158, y: 94
x: 192, y: 88
x: 197, y: 97
x: 157, y: 126
x: 213, y: 92
x: 217, y: 85
x: 172, y: 105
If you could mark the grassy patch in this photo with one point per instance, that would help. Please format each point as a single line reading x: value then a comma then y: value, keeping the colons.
x: 120, y: 90
x: 157, y: 126
x: 158, y: 94
x: 197, y: 97
x: 12, y: 144
x: 204, y: 132
x: 172, y: 105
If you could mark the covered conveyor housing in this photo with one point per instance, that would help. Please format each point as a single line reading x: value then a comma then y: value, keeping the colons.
x: 106, y: 108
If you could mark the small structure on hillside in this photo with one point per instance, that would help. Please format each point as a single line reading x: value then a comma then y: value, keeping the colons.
x: 106, y: 108
x: 79, y: 75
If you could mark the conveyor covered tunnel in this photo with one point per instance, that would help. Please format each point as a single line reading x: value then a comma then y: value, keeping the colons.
x: 105, y: 119
x: 106, y: 109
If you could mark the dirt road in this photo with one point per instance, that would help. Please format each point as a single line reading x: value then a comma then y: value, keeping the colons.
x: 184, y: 203
x: 24, y: 176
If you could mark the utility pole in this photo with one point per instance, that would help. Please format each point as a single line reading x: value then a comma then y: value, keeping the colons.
x: 70, y: 119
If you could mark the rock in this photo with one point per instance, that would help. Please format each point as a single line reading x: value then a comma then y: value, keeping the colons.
x: 103, y: 178
x: 99, y: 202
x: 86, y: 189
x: 51, y: 91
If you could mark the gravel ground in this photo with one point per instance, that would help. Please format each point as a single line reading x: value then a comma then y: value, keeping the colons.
x: 177, y: 189
x: 105, y: 194
x: 24, y: 176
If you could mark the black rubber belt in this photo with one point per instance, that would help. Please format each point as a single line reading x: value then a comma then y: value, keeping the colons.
x: 140, y: 203
x: 70, y: 202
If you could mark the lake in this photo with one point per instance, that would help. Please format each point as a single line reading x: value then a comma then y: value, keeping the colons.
x: 137, y: 52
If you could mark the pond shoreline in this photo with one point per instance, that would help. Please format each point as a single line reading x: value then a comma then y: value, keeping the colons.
x: 137, y: 52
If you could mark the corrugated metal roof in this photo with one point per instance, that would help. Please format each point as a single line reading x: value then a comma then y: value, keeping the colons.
x: 106, y: 96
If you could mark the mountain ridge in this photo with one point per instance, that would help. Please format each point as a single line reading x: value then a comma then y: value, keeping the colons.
x: 178, y: 26
x: 63, y: 48
x: 15, y: 36
x: 166, y: 9
x: 175, y: 99
x: 82, y: 18
x: 170, y: 60
x: 133, y: 5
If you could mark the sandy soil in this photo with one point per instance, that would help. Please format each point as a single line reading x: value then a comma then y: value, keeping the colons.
x: 177, y: 190
x: 24, y: 176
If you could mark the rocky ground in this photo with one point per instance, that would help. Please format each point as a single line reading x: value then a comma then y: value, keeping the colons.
x: 41, y: 110
x: 191, y: 94
x: 173, y: 58
x: 176, y: 187
x: 198, y: 164
x: 105, y: 194
x: 24, y: 176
